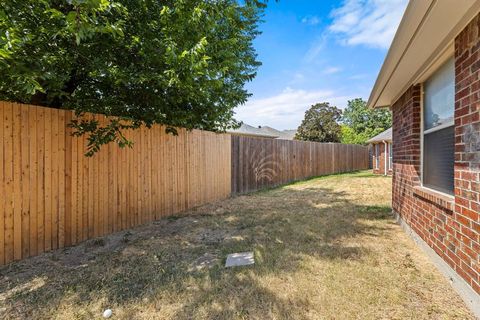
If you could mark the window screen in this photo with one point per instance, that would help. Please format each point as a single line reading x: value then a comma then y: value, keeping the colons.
x: 438, y: 159
x: 438, y: 126
x: 377, y: 156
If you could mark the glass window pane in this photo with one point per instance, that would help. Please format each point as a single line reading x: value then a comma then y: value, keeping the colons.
x: 440, y: 96
x: 438, y: 161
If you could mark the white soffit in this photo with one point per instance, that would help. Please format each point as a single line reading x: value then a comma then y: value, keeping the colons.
x: 424, y: 37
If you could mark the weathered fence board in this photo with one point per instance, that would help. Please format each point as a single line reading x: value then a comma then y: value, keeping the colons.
x: 260, y: 162
x: 52, y: 196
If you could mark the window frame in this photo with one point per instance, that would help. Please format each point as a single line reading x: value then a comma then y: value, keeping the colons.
x: 377, y: 156
x: 424, y: 132
x: 390, y: 155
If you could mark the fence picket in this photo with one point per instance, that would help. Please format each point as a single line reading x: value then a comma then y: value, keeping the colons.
x: 287, y: 161
x: 54, y: 196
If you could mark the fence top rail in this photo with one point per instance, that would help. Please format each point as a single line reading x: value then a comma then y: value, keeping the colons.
x: 297, y: 141
x: 233, y: 136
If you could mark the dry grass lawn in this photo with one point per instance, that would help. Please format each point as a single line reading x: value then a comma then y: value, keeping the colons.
x: 327, y: 248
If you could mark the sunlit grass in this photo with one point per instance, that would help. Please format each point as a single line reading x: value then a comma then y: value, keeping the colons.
x: 326, y: 248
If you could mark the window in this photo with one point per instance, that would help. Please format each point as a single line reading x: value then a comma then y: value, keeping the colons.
x: 438, y: 129
x: 377, y: 156
x: 390, y: 156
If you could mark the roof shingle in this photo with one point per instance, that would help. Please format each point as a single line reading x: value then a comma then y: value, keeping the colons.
x: 384, y: 136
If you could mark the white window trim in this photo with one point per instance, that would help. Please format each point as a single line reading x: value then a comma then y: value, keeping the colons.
x: 442, y: 58
x: 422, y: 133
x: 422, y: 98
x: 390, y: 155
x: 377, y: 156
x: 385, y: 143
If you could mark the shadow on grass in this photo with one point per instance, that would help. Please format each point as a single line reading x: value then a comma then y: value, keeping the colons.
x: 282, y: 226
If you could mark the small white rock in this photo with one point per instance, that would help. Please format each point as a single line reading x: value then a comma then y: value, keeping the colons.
x: 107, y: 313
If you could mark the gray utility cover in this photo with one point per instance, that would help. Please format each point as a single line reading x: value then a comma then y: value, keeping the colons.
x: 240, y: 259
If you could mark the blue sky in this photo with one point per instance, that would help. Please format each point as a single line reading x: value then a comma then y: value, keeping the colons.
x: 317, y: 51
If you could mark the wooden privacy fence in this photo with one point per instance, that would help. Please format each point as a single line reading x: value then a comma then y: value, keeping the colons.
x: 259, y: 163
x: 53, y: 196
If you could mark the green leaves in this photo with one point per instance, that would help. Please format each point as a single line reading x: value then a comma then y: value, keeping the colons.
x: 90, y: 17
x: 55, y: 14
x: 320, y: 124
x: 363, y: 123
x: 181, y: 63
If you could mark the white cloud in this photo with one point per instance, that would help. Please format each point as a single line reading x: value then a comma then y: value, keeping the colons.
x: 332, y: 70
x: 367, y: 22
x: 311, y: 20
x: 359, y: 76
x: 316, y: 48
x: 286, y: 109
x: 297, y: 79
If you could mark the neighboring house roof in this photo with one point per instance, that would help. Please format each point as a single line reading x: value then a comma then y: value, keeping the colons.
x: 248, y: 130
x: 287, y: 134
x: 269, y: 130
x: 263, y: 131
x: 422, y: 43
x: 384, y: 136
x: 284, y: 135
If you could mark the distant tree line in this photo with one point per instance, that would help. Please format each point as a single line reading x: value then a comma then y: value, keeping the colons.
x: 355, y: 125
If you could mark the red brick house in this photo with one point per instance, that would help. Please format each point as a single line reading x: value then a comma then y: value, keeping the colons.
x: 381, y: 146
x: 431, y: 81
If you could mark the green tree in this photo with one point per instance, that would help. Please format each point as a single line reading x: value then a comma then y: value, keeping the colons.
x: 351, y: 137
x: 175, y: 62
x: 320, y: 124
x: 361, y: 123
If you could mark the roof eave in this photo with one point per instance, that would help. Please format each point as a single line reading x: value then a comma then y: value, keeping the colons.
x: 419, y: 45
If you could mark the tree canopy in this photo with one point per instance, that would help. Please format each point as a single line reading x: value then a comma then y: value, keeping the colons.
x: 361, y: 123
x: 175, y: 62
x: 320, y: 124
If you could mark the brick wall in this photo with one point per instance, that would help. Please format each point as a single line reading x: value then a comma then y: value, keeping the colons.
x: 406, y: 156
x: 381, y: 167
x: 450, y: 226
x: 467, y: 151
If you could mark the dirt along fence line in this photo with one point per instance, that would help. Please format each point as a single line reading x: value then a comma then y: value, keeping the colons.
x: 53, y: 196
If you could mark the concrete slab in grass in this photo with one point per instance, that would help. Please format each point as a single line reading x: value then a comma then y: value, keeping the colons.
x: 240, y: 259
